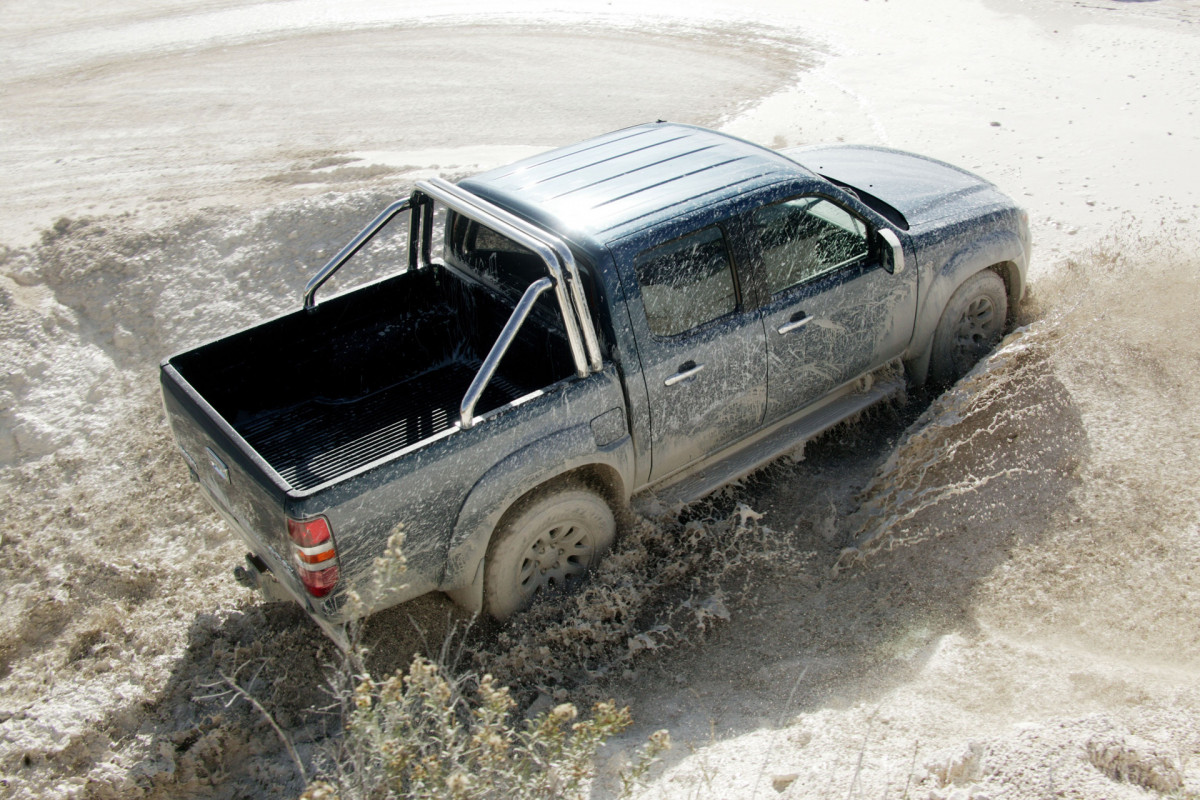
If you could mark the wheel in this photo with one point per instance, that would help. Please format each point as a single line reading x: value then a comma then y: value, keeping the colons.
x: 971, y: 325
x: 546, y: 544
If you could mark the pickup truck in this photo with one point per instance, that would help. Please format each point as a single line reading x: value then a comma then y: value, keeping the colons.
x: 650, y: 313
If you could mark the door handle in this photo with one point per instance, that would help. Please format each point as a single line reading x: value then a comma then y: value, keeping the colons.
x: 686, y: 371
x: 795, y: 324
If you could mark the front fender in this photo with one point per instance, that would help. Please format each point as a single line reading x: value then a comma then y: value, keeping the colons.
x: 535, y: 464
x: 994, y: 249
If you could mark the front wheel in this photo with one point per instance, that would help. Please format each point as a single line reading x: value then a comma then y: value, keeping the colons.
x: 971, y: 325
x: 546, y: 545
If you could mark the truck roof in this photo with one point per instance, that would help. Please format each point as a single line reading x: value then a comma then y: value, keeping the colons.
x: 602, y: 189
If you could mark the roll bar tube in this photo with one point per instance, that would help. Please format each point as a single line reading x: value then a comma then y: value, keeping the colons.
x: 562, y: 254
x: 466, y: 410
x: 356, y: 244
x: 560, y: 263
x: 476, y: 208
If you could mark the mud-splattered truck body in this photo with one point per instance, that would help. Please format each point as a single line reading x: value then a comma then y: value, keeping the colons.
x: 654, y: 312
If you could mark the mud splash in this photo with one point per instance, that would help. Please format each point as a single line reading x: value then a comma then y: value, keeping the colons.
x: 1013, y: 611
x: 1074, y: 445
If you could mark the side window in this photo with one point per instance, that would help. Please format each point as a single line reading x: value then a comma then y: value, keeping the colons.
x: 805, y: 238
x: 686, y: 282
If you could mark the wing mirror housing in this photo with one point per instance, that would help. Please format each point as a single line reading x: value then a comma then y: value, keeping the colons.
x: 892, y: 251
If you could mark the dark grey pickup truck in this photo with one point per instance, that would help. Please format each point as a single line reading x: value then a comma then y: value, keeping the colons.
x: 653, y: 312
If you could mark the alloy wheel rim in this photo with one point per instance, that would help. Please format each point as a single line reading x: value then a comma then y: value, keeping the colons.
x: 976, y: 330
x: 555, y: 557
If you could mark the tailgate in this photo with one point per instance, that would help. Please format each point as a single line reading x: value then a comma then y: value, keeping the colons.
x: 237, y: 482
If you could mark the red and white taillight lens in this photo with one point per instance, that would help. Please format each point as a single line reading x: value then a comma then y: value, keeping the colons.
x: 314, y: 555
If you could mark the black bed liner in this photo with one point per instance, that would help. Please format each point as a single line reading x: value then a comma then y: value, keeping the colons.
x: 319, y: 394
x: 320, y: 440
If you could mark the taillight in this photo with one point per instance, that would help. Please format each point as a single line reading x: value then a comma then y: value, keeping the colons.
x: 314, y: 555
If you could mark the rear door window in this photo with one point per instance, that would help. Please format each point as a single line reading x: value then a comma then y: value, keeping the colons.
x: 501, y: 262
x: 687, y: 282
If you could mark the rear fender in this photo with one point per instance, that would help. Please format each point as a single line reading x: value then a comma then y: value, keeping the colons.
x: 1001, y: 250
x: 563, y: 452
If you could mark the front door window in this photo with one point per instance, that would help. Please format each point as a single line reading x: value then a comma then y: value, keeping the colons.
x: 833, y: 311
x: 806, y: 238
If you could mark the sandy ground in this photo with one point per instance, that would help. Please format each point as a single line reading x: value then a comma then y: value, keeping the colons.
x: 1016, y: 616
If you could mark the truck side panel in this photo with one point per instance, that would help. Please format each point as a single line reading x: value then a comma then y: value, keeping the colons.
x: 423, y: 493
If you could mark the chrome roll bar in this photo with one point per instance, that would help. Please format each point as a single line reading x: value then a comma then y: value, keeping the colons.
x: 458, y: 200
x: 560, y: 263
x: 356, y: 244
x: 466, y: 410
x: 562, y: 254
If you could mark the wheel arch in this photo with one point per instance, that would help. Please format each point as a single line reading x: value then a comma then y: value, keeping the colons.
x: 1014, y: 283
x: 566, y: 458
x: 1001, y: 252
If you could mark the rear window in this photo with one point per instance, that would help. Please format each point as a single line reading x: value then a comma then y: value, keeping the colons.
x: 498, y: 260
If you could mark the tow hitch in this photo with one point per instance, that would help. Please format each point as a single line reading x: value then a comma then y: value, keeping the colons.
x: 257, y: 575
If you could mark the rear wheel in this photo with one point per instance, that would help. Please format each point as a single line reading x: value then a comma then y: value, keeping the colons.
x: 971, y: 325
x: 545, y: 545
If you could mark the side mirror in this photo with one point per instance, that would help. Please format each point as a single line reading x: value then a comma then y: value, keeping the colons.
x: 892, y: 251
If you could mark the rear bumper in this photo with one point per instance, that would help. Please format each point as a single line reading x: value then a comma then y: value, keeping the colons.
x: 266, y: 572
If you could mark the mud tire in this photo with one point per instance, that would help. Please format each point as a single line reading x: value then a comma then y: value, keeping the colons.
x: 971, y: 326
x: 545, y: 544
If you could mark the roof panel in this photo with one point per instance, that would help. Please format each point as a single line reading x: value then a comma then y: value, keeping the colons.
x: 678, y: 194
x: 595, y: 153
x: 679, y: 154
x: 606, y: 187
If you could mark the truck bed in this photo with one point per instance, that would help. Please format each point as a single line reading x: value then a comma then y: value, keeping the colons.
x: 319, y: 394
x: 318, y: 440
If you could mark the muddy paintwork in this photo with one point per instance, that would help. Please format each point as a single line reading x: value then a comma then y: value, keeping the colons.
x: 661, y: 403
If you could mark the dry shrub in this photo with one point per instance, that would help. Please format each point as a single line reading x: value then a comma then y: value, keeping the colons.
x: 438, y: 732
x: 426, y: 735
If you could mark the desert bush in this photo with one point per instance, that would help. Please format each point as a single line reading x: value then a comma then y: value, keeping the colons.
x: 425, y: 734
x: 435, y: 732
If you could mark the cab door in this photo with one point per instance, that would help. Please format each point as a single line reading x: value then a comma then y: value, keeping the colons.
x: 703, y: 353
x: 832, y: 309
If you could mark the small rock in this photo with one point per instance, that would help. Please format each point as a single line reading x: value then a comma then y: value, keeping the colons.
x: 782, y: 782
x: 123, y: 339
x: 542, y: 704
x: 958, y: 768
